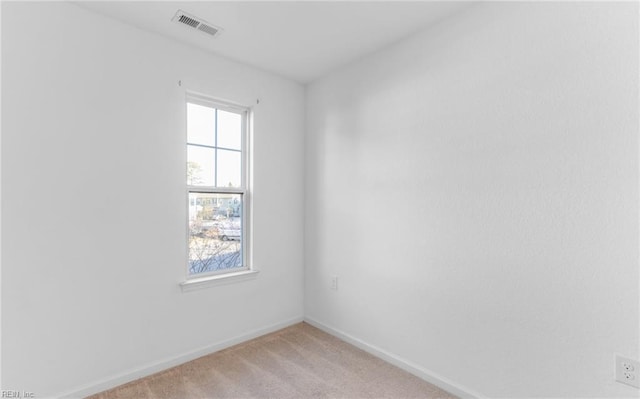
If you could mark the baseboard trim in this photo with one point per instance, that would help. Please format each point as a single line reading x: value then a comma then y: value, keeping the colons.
x: 418, y: 371
x: 152, y: 368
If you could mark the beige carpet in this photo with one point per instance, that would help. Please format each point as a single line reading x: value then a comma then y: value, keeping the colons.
x: 297, y: 362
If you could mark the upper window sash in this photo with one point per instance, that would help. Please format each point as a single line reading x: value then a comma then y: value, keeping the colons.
x: 243, y: 112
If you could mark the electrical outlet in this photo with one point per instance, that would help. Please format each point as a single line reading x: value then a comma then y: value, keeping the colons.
x: 334, y: 283
x: 627, y: 371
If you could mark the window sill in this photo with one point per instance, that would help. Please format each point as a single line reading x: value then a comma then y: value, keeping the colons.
x: 222, y: 279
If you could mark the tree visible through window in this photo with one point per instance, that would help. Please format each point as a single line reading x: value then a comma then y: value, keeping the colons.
x: 216, y: 182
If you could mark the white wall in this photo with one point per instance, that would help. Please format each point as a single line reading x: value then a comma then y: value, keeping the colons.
x: 94, y: 203
x: 475, y: 188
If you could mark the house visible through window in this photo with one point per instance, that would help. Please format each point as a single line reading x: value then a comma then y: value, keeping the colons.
x: 217, y: 187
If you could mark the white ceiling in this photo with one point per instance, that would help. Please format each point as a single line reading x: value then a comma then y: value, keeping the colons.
x: 298, y: 40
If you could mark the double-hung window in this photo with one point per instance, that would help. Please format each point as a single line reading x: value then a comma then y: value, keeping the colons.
x: 217, y: 177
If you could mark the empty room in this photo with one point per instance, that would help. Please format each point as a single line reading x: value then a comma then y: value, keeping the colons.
x: 327, y: 199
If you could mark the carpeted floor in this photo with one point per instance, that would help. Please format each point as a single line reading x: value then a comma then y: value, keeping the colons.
x: 297, y: 362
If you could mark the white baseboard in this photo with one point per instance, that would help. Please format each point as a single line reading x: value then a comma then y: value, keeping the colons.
x: 418, y: 371
x: 134, y: 374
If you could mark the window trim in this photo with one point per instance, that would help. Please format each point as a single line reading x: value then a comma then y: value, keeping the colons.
x: 247, y: 271
x: 221, y: 279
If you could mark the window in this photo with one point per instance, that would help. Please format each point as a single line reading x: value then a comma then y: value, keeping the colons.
x: 217, y: 187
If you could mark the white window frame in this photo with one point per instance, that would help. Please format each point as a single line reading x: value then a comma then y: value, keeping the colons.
x: 246, y: 271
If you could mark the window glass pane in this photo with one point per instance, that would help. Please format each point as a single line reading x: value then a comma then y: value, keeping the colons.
x: 200, y: 166
x: 229, y: 130
x: 201, y: 124
x: 215, y: 232
x: 229, y: 168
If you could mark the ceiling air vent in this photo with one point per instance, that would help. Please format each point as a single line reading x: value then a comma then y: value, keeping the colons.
x: 182, y: 17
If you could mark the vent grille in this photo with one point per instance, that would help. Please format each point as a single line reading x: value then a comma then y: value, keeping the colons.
x: 188, y: 21
x: 182, y: 17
